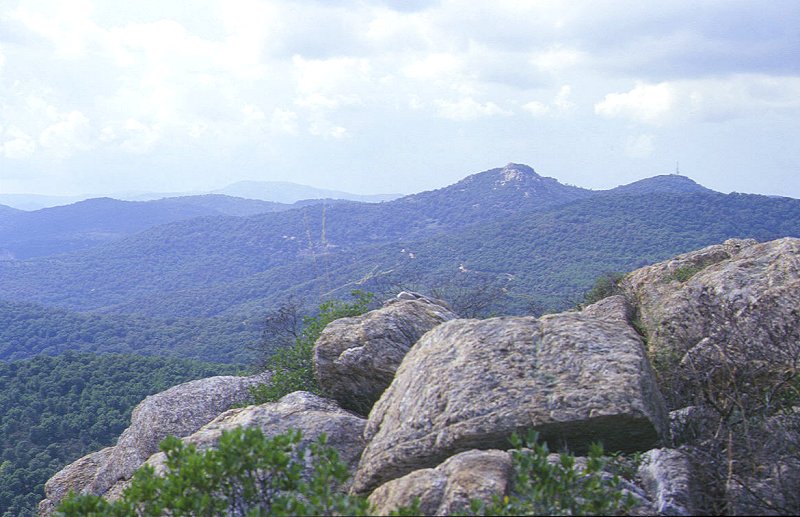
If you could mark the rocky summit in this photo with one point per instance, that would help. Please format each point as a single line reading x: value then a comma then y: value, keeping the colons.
x: 685, y: 362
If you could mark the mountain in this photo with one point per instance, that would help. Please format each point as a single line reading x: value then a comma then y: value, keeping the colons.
x: 88, y: 223
x: 37, y: 201
x: 285, y: 192
x: 503, y: 228
x: 666, y: 183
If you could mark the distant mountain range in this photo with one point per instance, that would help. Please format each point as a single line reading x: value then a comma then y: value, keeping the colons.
x: 532, y: 241
x: 273, y: 191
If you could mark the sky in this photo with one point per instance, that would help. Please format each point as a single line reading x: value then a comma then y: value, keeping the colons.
x: 99, y: 97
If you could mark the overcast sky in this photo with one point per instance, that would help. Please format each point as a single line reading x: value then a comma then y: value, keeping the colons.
x: 396, y: 96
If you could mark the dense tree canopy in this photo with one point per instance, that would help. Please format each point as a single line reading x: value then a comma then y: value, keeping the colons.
x: 54, y: 410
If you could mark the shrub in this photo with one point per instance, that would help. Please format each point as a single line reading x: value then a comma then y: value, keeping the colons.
x: 293, y: 367
x: 542, y: 487
x: 606, y: 285
x: 248, y: 474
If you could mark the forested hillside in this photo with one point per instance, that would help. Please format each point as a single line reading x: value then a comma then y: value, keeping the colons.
x: 53, y: 410
x: 28, y: 329
x: 86, y: 224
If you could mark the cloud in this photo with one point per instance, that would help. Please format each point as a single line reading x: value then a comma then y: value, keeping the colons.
x: 68, y: 133
x: 16, y: 144
x: 705, y: 100
x: 649, y: 103
x: 468, y: 108
x: 560, y: 104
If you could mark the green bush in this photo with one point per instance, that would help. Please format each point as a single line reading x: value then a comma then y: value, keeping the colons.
x: 248, y: 474
x: 604, y: 286
x: 540, y: 487
x: 293, y: 367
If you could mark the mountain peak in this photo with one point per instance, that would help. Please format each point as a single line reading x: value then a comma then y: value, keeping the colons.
x: 666, y: 183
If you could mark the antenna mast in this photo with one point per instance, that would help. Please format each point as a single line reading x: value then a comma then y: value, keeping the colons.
x: 678, y: 168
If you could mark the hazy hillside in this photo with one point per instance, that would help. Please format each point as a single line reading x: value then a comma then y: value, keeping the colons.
x: 88, y: 223
x: 286, y: 192
x: 241, y: 265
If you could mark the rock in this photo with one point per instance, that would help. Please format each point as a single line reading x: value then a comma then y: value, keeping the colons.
x: 448, y: 488
x: 355, y: 358
x: 735, y: 303
x: 469, y: 384
x: 178, y: 411
x: 72, y: 478
x: 665, y: 474
x: 691, y: 423
x: 311, y: 414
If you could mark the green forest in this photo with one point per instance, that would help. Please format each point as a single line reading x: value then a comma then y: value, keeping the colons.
x: 53, y: 410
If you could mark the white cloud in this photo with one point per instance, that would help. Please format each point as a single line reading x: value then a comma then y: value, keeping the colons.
x: 536, y: 108
x: 561, y: 104
x: 67, y: 25
x: 17, y: 144
x: 649, y: 103
x: 68, y: 133
x: 705, y: 100
x: 284, y: 121
x: 468, y: 108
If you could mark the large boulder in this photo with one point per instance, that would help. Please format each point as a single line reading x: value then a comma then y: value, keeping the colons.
x: 469, y: 384
x: 310, y: 414
x: 355, y: 358
x: 179, y: 411
x: 449, y: 487
x: 721, y: 308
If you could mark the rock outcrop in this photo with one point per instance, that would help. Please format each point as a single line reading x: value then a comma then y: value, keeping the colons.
x: 178, y: 411
x: 458, y: 388
x: 355, y: 358
x: 469, y: 384
x: 735, y: 301
x: 448, y: 488
x: 311, y: 414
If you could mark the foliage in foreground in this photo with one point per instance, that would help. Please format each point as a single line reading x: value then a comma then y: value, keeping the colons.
x: 293, y: 367
x: 248, y: 474
x: 541, y: 487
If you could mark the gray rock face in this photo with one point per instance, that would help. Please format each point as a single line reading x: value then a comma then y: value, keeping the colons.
x: 355, y: 358
x: 310, y: 414
x: 178, y: 411
x: 665, y: 475
x: 74, y: 477
x: 735, y: 301
x: 469, y: 384
x: 448, y: 488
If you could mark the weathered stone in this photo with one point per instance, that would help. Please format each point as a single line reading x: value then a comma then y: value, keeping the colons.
x: 355, y: 358
x: 469, y: 384
x: 311, y: 414
x: 665, y: 475
x: 448, y: 488
x: 737, y: 301
x: 178, y: 411
x: 72, y: 478
x: 691, y: 423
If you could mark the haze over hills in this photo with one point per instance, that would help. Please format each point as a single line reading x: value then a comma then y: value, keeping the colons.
x: 84, y: 224
x: 510, y: 230
x: 273, y: 191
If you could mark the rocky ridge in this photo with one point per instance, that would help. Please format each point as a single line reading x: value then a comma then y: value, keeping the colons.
x: 623, y: 372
